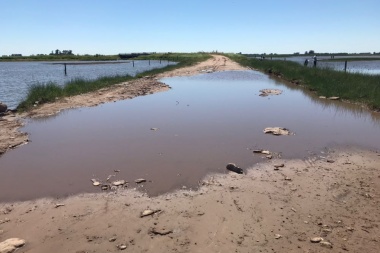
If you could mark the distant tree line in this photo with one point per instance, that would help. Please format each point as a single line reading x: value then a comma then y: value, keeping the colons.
x: 59, y: 52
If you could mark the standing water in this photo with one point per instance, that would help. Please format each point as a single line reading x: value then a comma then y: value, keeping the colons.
x: 201, y: 124
x: 17, y: 77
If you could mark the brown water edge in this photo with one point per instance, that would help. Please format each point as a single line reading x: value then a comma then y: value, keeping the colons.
x: 203, y: 123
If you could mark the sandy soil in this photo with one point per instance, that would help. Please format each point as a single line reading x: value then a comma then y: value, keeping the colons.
x: 265, y: 210
x: 10, y: 136
x: 333, y: 195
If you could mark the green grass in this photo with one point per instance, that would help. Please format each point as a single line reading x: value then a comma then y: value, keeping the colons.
x: 354, y: 87
x: 49, y: 92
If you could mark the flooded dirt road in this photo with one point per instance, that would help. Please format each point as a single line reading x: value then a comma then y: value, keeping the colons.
x: 174, y: 138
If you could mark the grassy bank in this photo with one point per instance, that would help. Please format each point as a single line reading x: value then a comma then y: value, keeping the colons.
x: 325, y: 82
x: 49, y: 92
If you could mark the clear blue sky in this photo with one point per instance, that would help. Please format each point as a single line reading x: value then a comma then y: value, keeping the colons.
x: 248, y: 26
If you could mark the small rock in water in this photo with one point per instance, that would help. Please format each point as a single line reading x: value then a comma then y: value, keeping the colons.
x: 323, y: 97
x: 140, y: 180
x: 316, y: 239
x: 334, y: 98
x: 234, y: 168
x: 118, y: 183
x: 277, y: 131
x: 95, y: 182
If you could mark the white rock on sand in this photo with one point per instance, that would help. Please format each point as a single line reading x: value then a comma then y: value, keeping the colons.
x: 11, y: 245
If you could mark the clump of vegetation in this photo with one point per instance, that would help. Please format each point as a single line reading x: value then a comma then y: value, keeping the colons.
x: 49, y: 92
x: 355, y: 87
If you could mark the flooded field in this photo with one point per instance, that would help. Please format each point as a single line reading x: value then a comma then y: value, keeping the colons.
x: 175, y: 138
x: 370, y: 67
x: 16, y: 77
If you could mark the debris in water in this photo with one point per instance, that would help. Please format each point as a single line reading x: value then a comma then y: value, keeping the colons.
x: 267, y: 92
x: 154, y: 129
x: 118, y: 183
x: 333, y: 98
x: 234, y: 168
x: 140, y: 180
x: 276, y: 131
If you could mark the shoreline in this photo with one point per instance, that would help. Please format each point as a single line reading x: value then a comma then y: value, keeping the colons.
x: 11, y: 137
x: 334, y: 197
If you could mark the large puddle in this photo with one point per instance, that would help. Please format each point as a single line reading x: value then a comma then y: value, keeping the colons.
x: 203, y: 123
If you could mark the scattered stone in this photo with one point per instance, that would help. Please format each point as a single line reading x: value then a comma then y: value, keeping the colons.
x: 316, y: 239
x: 59, y: 205
x: 277, y: 236
x: 333, y: 98
x: 267, y: 92
x: 118, y: 182
x: 234, y: 168
x: 95, y: 182
x: 349, y: 229
x: 277, y: 131
x: 122, y: 246
x: 160, y: 231
x: 140, y: 180
x: 261, y: 151
x: 288, y: 179
x: 112, y: 239
x: 276, y: 166
x: 154, y: 129
x: 116, y: 171
x: 330, y: 161
x: 105, y: 187
x: 323, y: 97
x: 149, y: 212
x: 326, y: 244
x: 4, y: 221
x: 11, y: 245
x: 269, y: 156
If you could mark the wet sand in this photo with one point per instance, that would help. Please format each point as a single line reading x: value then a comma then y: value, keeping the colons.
x: 333, y: 196
x: 264, y: 210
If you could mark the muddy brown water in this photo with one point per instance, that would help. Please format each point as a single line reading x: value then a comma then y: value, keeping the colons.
x: 204, y: 122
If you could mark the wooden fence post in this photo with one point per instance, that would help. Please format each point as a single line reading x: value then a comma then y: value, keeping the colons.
x: 345, y: 66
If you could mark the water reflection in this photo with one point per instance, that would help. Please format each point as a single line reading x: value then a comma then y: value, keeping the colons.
x: 203, y: 123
